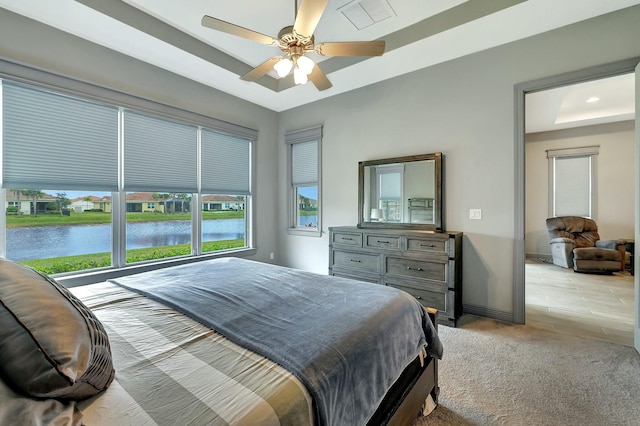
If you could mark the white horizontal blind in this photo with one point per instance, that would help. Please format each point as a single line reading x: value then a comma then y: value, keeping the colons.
x: 159, y: 154
x: 304, y: 155
x: 53, y: 141
x: 390, y: 186
x: 225, y: 163
x: 572, y: 186
x: 304, y: 158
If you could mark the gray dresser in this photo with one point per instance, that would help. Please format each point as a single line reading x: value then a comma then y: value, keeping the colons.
x: 425, y: 264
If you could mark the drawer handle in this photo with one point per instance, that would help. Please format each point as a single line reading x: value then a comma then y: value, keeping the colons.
x: 347, y: 239
x: 409, y: 268
x: 356, y: 260
x: 382, y: 242
x: 427, y: 245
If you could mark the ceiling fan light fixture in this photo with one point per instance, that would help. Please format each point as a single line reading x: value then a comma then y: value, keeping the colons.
x: 299, y: 76
x: 305, y: 64
x: 283, y: 67
x: 296, y: 40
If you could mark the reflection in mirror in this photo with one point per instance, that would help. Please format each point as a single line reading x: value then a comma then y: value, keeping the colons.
x: 401, y: 192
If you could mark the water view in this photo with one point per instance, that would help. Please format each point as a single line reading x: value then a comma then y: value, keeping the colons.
x: 57, y: 241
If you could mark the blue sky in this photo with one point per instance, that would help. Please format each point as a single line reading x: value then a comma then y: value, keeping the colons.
x: 75, y: 194
x: 309, y: 192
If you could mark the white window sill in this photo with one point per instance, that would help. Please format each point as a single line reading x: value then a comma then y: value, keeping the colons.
x: 314, y: 232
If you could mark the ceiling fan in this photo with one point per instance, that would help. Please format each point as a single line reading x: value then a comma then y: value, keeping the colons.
x: 295, y: 42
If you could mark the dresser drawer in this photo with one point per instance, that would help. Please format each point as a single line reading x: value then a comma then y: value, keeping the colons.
x: 347, y: 239
x: 374, y: 279
x: 436, y: 270
x: 428, y: 297
x: 382, y: 241
x: 359, y: 261
x: 427, y: 245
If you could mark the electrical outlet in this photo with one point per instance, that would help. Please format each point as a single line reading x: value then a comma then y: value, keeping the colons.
x: 475, y: 214
x: 272, y: 255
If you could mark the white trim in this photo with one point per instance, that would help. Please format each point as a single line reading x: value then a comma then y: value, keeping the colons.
x: 573, y: 152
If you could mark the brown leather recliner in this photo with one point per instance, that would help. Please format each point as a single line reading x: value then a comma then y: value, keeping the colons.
x: 575, y: 243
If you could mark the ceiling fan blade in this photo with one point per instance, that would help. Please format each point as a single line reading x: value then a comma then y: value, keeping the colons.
x: 229, y: 28
x: 308, y: 16
x: 351, y: 48
x: 319, y: 79
x: 261, y: 69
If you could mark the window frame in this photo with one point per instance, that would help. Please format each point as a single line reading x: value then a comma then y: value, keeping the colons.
x: 45, y: 80
x: 591, y: 152
x: 313, y: 134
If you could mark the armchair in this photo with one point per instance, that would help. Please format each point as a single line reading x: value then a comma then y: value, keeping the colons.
x: 575, y: 243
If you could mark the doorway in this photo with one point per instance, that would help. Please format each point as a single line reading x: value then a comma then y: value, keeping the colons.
x: 523, y: 245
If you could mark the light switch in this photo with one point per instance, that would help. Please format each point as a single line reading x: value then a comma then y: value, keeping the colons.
x: 475, y: 214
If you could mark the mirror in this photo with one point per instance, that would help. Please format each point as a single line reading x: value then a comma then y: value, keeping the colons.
x: 401, y: 192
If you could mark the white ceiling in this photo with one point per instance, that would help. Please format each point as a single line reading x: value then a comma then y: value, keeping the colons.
x: 422, y: 33
x: 600, y: 101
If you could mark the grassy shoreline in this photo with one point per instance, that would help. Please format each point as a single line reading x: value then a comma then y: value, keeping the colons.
x: 57, y: 265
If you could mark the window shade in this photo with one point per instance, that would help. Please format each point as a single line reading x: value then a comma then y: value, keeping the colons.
x: 225, y: 163
x: 304, y: 158
x: 159, y: 154
x: 390, y: 186
x: 572, y: 186
x: 53, y: 141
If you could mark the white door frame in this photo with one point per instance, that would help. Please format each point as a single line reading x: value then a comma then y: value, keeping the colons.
x: 609, y: 70
x: 636, y: 302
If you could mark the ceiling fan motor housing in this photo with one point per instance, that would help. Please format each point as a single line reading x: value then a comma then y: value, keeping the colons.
x: 292, y: 43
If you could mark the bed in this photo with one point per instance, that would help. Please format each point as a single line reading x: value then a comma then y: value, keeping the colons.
x: 290, y: 348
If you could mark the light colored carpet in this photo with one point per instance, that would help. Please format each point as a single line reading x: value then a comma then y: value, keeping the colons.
x: 495, y: 373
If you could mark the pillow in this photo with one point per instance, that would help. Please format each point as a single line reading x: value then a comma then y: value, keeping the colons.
x: 51, y: 344
x: 19, y: 410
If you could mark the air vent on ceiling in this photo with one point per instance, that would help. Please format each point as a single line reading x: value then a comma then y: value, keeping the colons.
x: 365, y: 13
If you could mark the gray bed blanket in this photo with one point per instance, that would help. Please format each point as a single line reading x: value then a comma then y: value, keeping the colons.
x: 347, y: 341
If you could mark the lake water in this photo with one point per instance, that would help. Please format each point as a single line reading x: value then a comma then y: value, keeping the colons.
x: 56, y: 241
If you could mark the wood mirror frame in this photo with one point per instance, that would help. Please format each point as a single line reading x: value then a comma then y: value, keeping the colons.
x: 423, y: 200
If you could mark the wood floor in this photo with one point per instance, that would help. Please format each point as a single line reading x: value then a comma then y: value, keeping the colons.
x: 587, y: 305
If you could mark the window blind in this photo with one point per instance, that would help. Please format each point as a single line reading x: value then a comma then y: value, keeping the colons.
x: 159, y: 154
x: 572, y: 186
x: 54, y: 141
x: 225, y: 163
x: 304, y: 159
x: 390, y: 186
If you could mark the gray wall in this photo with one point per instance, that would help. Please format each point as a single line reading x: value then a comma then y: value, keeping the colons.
x: 40, y: 46
x: 615, y: 208
x: 465, y: 109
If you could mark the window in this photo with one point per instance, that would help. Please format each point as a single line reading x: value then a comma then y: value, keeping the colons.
x: 389, y: 181
x: 65, y: 243
x: 226, y: 188
x: 160, y: 163
x: 224, y: 223
x: 572, y: 181
x: 304, y: 154
x: 131, y: 181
